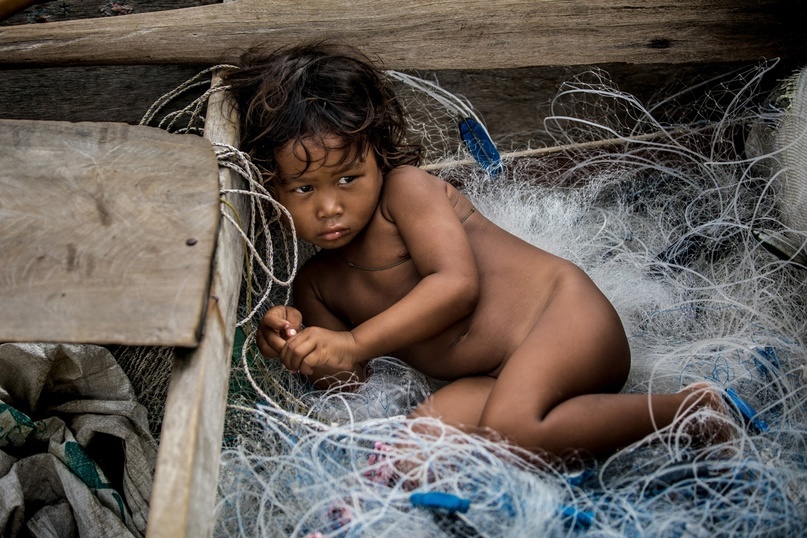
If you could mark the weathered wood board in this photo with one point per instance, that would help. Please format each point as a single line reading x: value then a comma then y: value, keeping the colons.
x: 107, y: 233
x: 184, y: 492
x: 423, y: 34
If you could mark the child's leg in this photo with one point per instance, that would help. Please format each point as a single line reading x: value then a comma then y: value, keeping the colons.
x: 460, y: 403
x: 557, y: 392
x: 463, y: 409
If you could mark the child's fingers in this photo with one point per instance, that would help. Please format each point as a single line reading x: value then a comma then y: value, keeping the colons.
x: 276, y: 318
x: 285, y: 320
x: 294, y: 318
x: 291, y: 356
x: 278, y: 325
x: 295, y: 352
x: 269, y: 342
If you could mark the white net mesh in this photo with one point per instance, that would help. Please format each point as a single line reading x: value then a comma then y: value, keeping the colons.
x: 791, y: 141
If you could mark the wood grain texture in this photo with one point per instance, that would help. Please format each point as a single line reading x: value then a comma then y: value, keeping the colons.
x: 423, y: 34
x: 47, y: 11
x: 184, y: 492
x: 107, y: 233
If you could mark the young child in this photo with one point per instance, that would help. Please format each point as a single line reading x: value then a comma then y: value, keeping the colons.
x: 407, y: 267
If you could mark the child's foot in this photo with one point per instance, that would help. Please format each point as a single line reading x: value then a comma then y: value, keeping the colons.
x: 707, y: 417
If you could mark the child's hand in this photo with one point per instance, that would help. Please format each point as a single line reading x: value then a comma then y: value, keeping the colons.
x: 278, y: 325
x: 319, y: 348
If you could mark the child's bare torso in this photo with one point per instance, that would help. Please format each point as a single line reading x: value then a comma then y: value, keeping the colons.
x: 516, y: 282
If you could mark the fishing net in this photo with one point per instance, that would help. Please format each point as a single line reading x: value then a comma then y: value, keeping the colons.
x: 674, y: 209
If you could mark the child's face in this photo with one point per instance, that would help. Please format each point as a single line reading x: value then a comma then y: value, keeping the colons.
x: 334, y: 199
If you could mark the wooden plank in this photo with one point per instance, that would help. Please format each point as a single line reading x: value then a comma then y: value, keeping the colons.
x: 47, y: 11
x: 108, y: 233
x: 184, y: 492
x: 423, y: 34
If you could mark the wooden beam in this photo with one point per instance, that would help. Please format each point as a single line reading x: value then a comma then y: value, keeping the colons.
x: 423, y: 34
x: 184, y: 492
x: 108, y: 232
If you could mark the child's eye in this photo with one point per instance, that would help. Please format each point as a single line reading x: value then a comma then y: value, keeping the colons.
x: 304, y: 189
x: 347, y: 180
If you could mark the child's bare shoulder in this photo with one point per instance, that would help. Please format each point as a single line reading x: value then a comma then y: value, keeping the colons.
x: 408, y: 186
x: 410, y: 175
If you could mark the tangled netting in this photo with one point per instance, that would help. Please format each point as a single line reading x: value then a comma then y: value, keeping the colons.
x: 663, y: 205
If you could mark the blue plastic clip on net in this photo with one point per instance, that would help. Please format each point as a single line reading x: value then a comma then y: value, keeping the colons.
x: 446, y: 510
x: 437, y: 499
x: 576, y: 519
x: 478, y: 142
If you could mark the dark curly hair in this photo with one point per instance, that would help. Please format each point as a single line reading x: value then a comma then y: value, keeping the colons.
x: 317, y: 90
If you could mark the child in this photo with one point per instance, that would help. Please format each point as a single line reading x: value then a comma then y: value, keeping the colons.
x: 407, y: 267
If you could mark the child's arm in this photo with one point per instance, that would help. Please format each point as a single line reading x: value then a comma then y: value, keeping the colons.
x: 418, y: 203
x: 419, y: 206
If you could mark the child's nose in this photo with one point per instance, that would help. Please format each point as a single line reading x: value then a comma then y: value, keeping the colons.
x: 329, y: 206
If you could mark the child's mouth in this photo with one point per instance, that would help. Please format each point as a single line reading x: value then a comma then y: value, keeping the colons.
x: 332, y: 234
